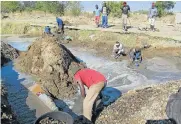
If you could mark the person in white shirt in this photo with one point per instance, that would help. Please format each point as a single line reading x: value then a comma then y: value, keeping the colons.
x: 118, y: 50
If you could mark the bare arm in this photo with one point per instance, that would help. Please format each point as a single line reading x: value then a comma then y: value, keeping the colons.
x: 82, y: 89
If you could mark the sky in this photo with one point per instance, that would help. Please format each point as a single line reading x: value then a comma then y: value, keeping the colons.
x: 89, y: 6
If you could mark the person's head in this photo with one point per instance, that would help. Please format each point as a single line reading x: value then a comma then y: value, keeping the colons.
x: 96, y: 6
x: 117, y: 43
x: 124, y: 3
x: 153, y: 5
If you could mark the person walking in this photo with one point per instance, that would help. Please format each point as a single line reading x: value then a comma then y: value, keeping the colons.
x: 152, y: 13
x: 125, y: 11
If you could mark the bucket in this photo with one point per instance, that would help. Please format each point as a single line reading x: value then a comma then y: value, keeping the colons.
x: 57, y: 115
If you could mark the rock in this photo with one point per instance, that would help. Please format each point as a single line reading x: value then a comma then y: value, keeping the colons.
x: 51, y: 62
x: 7, y: 115
x: 8, y: 53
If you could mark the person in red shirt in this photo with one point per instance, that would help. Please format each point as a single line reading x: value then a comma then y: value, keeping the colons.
x: 94, y: 81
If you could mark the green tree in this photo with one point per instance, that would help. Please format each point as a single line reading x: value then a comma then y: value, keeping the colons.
x: 115, y: 8
x: 164, y: 6
x: 10, y: 6
x: 54, y: 7
x: 74, y: 7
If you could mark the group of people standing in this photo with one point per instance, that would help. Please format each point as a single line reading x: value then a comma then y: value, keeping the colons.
x: 125, y: 9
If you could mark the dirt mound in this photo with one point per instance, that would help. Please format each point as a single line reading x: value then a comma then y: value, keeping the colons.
x: 138, y: 106
x: 8, y: 53
x: 7, y: 116
x: 51, y: 63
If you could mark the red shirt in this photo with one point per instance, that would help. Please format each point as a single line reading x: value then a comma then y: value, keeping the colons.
x: 89, y: 77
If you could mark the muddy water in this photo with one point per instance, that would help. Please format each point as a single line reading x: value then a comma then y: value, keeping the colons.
x: 120, y: 75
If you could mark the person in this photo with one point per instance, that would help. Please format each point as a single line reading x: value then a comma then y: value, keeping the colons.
x: 152, y: 13
x: 47, y: 30
x: 105, y: 12
x: 125, y: 11
x: 118, y: 49
x: 97, y: 15
x: 60, y: 25
x: 94, y: 81
x: 135, y: 55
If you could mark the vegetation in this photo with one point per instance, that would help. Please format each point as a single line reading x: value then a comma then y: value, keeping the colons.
x: 164, y: 7
x: 54, y: 7
x: 115, y: 8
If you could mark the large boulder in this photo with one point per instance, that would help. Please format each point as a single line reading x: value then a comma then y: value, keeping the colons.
x: 51, y: 63
x: 7, y: 115
x: 8, y: 53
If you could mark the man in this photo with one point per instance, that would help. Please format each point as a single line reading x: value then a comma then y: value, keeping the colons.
x: 60, y: 25
x: 105, y: 12
x: 97, y: 15
x: 125, y: 11
x: 118, y: 50
x: 135, y: 55
x: 94, y: 81
x: 152, y: 13
x: 47, y: 30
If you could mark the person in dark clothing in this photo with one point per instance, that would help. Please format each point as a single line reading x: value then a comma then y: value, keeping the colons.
x: 105, y: 12
x: 135, y: 55
x: 125, y: 11
x: 60, y: 25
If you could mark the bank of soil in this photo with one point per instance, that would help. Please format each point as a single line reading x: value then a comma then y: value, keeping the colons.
x: 138, y: 106
x: 7, y: 115
x: 51, y: 64
x: 103, y: 43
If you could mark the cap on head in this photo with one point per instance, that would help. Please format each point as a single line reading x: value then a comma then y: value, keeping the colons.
x: 124, y: 3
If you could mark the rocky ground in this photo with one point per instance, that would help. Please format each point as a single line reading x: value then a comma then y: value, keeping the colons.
x: 8, y: 53
x: 7, y: 115
x: 138, y: 106
x: 51, y: 63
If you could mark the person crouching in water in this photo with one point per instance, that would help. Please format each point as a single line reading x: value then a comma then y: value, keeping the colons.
x: 118, y: 50
x: 94, y: 81
x: 97, y: 15
x: 47, y: 31
x: 135, y: 56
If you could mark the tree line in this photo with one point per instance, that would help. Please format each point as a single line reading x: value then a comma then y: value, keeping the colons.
x: 73, y: 7
x: 54, y: 7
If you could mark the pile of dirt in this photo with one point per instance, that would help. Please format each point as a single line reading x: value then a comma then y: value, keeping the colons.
x: 7, y: 116
x: 138, y: 106
x: 8, y: 53
x: 51, y: 63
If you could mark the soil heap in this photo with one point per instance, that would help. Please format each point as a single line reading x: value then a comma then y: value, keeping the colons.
x: 139, y: 106
x: 8, y: 53
x: 51, y: 63
x: 7, y: 116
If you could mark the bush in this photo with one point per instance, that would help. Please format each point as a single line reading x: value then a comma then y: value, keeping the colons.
x: 163, y: 7
x: 115, y: 8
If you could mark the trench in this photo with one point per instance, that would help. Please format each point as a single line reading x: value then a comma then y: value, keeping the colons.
x: 119, y: 75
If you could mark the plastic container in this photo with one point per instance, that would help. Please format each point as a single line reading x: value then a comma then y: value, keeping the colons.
x: 56, y: 115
